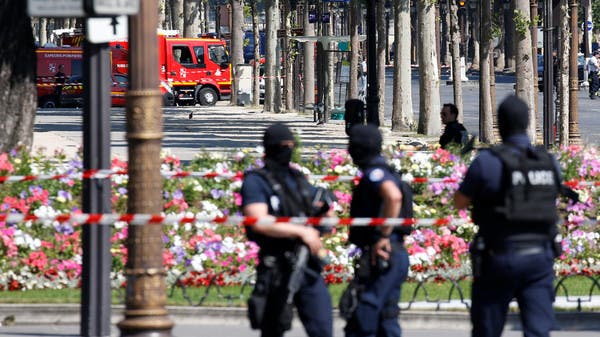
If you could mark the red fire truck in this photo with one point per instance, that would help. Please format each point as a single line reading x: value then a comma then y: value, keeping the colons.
x: 197, y: 69
x: 60, y: 78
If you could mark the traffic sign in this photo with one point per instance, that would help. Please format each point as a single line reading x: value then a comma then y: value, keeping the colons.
x: 112, y: 7
x: 589, y: 26
x: 103, y: 30
x: 55, y: 8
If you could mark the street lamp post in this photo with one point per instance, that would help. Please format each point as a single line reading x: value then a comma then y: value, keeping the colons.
x: 548, y: 120
x: 574, y: 136
x: 372, y: 83
x: 145, y: 312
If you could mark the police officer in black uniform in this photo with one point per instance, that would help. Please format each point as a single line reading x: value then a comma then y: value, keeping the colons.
x: 280, y: 190
x: 514, y: 208
x: 377, y: 195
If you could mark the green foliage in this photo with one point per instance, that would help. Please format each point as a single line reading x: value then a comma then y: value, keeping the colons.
x: 496, y: 26
x: 522, y: 23
x: 596, y: 13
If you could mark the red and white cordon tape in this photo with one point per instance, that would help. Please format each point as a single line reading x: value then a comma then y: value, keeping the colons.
x: 155, y: 219
x: 108, y: 173
x: 150, y: 219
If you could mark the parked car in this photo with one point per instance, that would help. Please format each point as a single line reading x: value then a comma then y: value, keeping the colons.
x: 581, y: 63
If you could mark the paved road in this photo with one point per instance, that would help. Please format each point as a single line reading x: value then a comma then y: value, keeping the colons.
x: 223, y: 128
x: 589, y: 123
x: 211, y: 330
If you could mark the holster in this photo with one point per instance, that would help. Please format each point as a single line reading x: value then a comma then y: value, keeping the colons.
x: 477, y: 251
x: 268, y: 296
x: 349, y: 300
x: 257, y: 302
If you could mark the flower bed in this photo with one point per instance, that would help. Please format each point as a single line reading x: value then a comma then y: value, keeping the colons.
x: 48, y: 254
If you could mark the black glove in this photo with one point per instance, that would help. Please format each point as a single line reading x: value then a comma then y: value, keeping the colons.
x: 568, y: 192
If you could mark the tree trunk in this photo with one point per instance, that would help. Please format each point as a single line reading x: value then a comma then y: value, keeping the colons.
x: 18, y: 100
x: 237, y: 45
x: 524, y: 66
x: 256, y: 63
x: 564, y: 49
x: 486, y: 126
x: 190, y: 18
x: 43, y: 31
x: 402, y: 113
x: 429, y: 85
x: 381, y: 43
x: 309, y: 63
x: 162, y: 14
x: 509, y: 29
x: 500, y: 61
x: 355, y: 9
x: 476, y: 36
x: 447, y: 60
x: 177, y: 15
x: 288, y: 60
x: 456, y: 64
x: 329, y: 69
x: 271, y: 62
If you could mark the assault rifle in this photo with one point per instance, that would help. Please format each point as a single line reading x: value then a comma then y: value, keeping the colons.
x: 298, y: 269
x: 322, y: 202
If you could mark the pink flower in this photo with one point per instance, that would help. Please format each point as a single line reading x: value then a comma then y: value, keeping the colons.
x: 237, y: 197
x: 5, y: 164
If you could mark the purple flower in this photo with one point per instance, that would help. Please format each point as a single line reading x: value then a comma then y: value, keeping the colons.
x: 64, y: 228
x: 216, y: 194
x: 65, y: 195
x: 122, y: 190
x: 178, y: 195
x: 77, y: 164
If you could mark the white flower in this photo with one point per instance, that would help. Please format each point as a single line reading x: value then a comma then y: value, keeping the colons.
x: 197, y: 262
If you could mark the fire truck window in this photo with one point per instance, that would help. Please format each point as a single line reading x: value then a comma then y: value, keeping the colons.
x: 200, y: 56
x: 218, y: 54
x: 121, y: 81
x: 182, y: 55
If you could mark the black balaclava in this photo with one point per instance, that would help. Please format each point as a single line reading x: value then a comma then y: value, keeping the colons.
x: 365, y: 144
x: 513, y: 117
x: 274, y: 151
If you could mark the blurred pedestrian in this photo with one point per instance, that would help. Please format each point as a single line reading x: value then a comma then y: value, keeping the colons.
x: 593, y: 68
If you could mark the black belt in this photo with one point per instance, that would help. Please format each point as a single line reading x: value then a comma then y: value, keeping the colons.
x: 520, y: 248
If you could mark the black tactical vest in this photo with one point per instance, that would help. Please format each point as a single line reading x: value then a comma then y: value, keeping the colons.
x: 529, y: 189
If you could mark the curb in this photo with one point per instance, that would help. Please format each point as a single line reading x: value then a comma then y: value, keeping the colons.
x: 69, y: 314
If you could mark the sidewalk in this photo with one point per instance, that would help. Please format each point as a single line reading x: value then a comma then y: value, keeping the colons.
x: 218, y: 129
x: 423, y: 318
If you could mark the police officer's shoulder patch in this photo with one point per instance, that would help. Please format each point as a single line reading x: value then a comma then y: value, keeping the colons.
x: 376, y: 175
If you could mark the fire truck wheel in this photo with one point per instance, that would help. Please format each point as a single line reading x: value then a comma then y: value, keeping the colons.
x: 207, y: 96
x: 48, y: 103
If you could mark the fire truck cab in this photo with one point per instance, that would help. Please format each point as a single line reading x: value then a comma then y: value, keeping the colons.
x: 198, y: 69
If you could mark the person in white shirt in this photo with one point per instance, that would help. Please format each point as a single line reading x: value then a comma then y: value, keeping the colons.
x: 593, y: 67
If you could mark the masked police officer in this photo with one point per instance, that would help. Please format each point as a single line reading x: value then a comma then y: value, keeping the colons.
x: 385, y: 261
x: 279, y: 190
x: 513, y: 189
